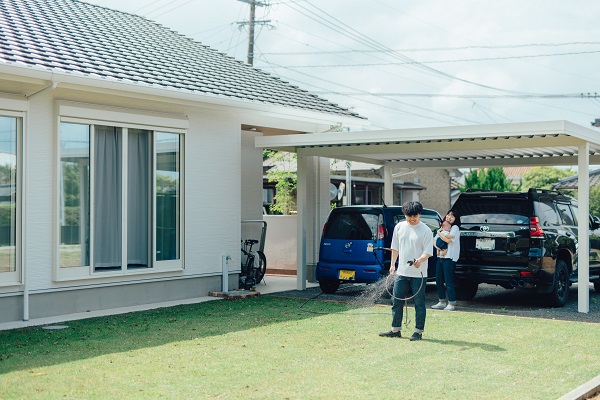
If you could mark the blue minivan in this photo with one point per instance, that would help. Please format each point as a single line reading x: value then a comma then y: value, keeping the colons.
x: 351, y: 242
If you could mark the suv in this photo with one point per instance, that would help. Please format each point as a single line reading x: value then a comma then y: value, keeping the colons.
x: 352, y: 243
x: 522, y: 240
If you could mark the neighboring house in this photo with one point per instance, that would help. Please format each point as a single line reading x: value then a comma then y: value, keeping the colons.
x: 128, y: 160
x: 432, y: 187
x: 515, y: 174
x: 572, y: 182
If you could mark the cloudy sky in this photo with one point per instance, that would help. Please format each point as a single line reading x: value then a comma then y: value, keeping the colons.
x: 405, y: 64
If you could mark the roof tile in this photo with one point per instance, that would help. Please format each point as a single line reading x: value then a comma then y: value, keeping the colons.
x: 71, y: 35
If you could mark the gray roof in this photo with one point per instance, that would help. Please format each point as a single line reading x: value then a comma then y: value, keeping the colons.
x: 74, y: 37
x: 572, y: 182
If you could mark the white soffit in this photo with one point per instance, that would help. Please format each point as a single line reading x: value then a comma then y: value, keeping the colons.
x: 529, y: 143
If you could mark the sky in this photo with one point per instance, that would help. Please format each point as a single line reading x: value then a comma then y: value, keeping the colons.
x: 412, y: 64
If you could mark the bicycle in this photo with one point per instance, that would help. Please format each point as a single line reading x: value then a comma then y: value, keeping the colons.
x: 254, y: 265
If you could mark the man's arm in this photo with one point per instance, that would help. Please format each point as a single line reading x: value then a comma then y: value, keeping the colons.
x: 393, y: 261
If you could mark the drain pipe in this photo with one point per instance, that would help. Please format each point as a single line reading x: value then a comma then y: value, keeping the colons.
x: 24, y: 163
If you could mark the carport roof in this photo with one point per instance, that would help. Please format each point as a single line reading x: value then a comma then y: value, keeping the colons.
x: 528, y: 143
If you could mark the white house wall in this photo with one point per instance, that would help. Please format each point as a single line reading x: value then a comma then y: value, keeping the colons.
x: 212, y: 156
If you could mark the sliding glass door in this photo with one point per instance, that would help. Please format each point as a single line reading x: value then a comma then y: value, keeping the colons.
x: 120, y: 198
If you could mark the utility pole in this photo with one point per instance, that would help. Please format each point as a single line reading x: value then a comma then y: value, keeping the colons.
x: 251, y: 23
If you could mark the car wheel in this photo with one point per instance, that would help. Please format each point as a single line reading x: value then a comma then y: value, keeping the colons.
x: 329, y: 286
x: 466, y: 289
x: 597, y: 286
x: 560, y: 290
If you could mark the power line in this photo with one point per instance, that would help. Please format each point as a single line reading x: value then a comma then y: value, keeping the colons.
x: 343, y: 28
x: 515, y: 46
x: 461, y: 96
x: 443, y: 61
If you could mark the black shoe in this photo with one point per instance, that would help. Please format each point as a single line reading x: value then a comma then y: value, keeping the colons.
x: 391, y: 334
x: 416, y: 336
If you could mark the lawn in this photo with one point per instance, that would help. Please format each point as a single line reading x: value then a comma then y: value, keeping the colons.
x: 269, y: 347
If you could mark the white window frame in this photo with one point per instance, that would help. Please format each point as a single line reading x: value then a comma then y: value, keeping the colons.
x: 126, y: 119
x: 13, y: 278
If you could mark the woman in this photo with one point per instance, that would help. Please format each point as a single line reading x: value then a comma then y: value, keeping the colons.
x: 446, y: 264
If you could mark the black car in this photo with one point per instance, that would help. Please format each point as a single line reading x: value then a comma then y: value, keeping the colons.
x: 524, y: 240
x: 352, y: 242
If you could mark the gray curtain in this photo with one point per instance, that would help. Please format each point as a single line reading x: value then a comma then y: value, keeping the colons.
x: 138, y: 198
x: 107, y: 197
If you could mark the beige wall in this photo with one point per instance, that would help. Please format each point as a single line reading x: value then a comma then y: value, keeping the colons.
x: 280, y: 244
x: 437, y: 193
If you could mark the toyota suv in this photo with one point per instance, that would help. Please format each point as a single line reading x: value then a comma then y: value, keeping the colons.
x: 353, y: 242
x: 524, y: 240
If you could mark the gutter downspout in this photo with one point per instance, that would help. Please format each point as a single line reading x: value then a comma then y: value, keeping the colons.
x: 52, y: 86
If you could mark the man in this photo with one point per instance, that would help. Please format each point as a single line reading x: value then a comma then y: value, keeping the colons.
x: 412, y: 245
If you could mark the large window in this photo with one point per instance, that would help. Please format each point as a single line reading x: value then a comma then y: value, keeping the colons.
x: 10, y: 147
x: 120, y: 205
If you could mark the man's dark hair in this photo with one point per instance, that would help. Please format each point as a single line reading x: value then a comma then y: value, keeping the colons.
x: 411, y: 208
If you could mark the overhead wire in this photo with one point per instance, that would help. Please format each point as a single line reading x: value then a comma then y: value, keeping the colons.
x: 341, y: 27
x: 430, y: 49
x: 443, y: 61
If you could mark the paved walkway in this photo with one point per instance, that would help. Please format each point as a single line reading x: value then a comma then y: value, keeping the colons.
x: 271, y: 284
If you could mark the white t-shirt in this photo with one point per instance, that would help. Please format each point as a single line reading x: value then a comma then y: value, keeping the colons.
x: 454, y: 246
x: 411, y: 242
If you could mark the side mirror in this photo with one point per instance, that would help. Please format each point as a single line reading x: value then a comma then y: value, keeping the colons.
x: 595, y: 222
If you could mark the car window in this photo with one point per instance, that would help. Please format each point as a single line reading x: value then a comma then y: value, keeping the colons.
x: 544, y: 209
x: 564, y: 211
x: 574, y: 210
x: 432, y: 221
x: 493, y: 211
x: 353, y: 226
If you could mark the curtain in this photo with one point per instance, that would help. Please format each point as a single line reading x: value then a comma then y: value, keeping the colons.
x: 107, y: 197
x: 138, y: 198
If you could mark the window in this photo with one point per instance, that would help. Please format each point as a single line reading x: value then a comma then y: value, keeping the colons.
x: 565, y: 214
x: 10, y: 212
x: 120, y: 199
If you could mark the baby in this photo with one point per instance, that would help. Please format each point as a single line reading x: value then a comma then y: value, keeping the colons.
x: 440, y: 245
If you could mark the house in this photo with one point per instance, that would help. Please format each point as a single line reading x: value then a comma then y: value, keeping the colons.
x: 431, y: 186
x: 572, y: 182
x: 113, y: 129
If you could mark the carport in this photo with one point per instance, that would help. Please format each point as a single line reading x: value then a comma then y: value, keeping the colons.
x: 547, y: 143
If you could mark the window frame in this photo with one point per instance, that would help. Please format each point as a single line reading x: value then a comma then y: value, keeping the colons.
x: 14, y: 278
x: 89, y: 115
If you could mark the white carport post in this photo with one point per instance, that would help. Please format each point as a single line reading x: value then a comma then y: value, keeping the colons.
x: 301, y: 207
x: 388, y: 186
x: 583, y: 267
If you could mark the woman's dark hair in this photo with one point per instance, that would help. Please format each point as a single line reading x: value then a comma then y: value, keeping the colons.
x: 411, y: 208
x: 456, y: 217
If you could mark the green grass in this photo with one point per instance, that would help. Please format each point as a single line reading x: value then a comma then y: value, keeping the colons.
x: 267, y: 347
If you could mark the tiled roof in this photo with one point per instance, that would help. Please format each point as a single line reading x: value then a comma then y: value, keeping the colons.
x: 74, y: 37
x: 572, y: 182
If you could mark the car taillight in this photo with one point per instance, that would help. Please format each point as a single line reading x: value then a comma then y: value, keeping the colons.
x: 535, y: 230
x: 380, y: 232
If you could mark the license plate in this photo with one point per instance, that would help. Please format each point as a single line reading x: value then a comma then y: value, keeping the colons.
x: 485, y: 244
x: 347, y: 275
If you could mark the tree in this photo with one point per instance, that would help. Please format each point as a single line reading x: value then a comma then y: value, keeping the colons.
x: 544, y: 177
x: 286, y: 181
x: 488, y: 179
x: 595, y: 201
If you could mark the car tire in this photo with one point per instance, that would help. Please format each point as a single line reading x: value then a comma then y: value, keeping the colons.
x: 329, y: 286
x: 597, y: 286
x: 560, y: 288
x: 466, y: 289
